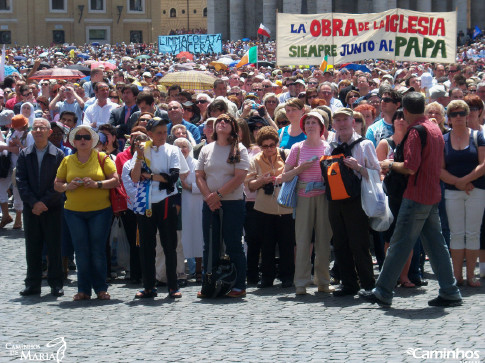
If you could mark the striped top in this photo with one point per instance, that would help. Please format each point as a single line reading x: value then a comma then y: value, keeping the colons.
x: 313, y: 174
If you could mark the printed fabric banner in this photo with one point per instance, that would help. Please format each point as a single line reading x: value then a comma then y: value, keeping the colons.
x: 193, y: 43
x: 395, y: 34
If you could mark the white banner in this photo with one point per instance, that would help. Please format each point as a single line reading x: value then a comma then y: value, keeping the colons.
x: 394, y: 34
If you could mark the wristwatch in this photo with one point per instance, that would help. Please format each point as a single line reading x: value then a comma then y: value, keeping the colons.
x: 100, y: 184
x: 219, y: 194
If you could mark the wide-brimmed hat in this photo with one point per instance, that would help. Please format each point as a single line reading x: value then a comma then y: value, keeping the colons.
x: 94, y: 135
x: 312, y: 114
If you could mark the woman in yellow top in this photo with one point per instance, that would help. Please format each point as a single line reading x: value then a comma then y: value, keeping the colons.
x: 88, y: 208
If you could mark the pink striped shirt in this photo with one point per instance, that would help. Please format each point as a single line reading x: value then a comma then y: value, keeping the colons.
x: 312, y: 174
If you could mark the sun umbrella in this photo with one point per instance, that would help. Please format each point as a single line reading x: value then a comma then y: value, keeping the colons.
x: 43, y: 55
x: 20, y: 58
x: 57, y: 73
x: 95, y: 44
x: 356, y: 67
x: 143, y: 56
x: 10, y: 70
x: 126, y: 59
x: 105, y: 65
x: 59, y: 53
x: 245, y: 39
x: 218, y: 65
x: 84, y: 56
x: 44, y: 65
x: 187, y: 55
x: 80, y: 68
x: 190, y: 80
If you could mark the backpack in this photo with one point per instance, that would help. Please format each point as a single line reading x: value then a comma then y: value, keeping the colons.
x: 394, y: 183
x: 340, y: 180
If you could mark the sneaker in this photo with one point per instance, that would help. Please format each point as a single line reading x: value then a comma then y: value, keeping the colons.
x: 442, y: 302
x: 236, y: 293
x: 326, y: 288
x: 300, y: 290
x: 369, y: 296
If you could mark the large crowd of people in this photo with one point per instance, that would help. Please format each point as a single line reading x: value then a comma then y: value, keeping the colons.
x: 185, y: 169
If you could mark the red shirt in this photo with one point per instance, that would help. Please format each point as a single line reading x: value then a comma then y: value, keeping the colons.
x: 424, y: 187
x: 121, y: 159
x: 11, y: 103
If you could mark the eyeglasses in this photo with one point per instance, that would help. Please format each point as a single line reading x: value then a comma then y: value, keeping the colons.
x: 387, y: 99
x: 115, y: 97
x: 172, y: 108
x: 257, y: 89
x: 271, y: 146
x: 39, y: 128
x: 458, y: 113
x: 326, y: 92
x: 312, y: 82
x: 81, y: 137
x: 27, y: 94
x: 474, y: 108
x: 472, y: 90
x: 453, y: 70
x: 267, y: 86
x: 271, y: 101
x: 201, y: 101
x: 233, y: 94
x: 283, y: 123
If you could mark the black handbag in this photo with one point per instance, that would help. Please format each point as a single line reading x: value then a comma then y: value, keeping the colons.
x: 218, y: 280
x: 5, y: 164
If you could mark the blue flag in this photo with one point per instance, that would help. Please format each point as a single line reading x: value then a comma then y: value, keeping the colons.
x: 476, y: 32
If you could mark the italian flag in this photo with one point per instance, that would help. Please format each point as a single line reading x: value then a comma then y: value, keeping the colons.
x: 264, y: 31
x: 251, y: 56
x: 324, y: 66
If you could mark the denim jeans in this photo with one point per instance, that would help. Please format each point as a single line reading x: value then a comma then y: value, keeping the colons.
x: 232, y: 227
x: 417, y: 220
x: 89, y: 232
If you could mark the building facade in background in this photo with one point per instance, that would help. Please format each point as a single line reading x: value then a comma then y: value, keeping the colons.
x: 236, y: 19
x: 46, y: 22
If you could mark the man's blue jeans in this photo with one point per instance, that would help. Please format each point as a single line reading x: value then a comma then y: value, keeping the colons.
x: 89, y: 232
x: 232, y: 228
x: 417, y: 220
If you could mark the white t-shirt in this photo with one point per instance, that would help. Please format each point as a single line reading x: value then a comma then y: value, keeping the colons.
x: 100, y: 115
x: 162, y: 159
x: 213, y: 161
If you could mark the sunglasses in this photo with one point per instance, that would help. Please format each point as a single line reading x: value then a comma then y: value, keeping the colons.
x: 312, y: 82
x: 474, y: 108
x: 172, y: 109
x: 257, y: 90
x: 81, y: 137
x: 271, y: 146
x: 267, y: 86
x: 201, y: 101
x: 27, y: 94
x: 359, y: 120
x: 233, y: 94
x: 387, y: 99
x: 458, y: 113
x: 283, y: 123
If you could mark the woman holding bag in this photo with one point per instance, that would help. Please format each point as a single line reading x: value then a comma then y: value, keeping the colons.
x: 88, y: 208
x: 312, y: 206
x: 220, y: 173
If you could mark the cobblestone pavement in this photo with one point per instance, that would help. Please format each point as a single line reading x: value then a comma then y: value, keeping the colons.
x: 270, y: 325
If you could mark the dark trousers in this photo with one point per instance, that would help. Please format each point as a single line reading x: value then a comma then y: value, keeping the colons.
x: 39, y: 229
x: 164, y: 219
x: 129, y: 222
x: 350, y: 228
x: 278, y: 230
x: 252, y: 236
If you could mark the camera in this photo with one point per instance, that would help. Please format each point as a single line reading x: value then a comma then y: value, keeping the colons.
x: 268, y: 188
x: 254, y: 106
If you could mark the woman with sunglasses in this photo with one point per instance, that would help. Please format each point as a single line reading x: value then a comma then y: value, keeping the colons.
x: 202, y: 102
x: 270, y: 101
x: 220, y: 173
x: 86, y: 178
x: 280, y: 118
x: 350, y: 98
x: 274, y: 224
x: 475, y: 117
x: 463, y: 170
x: 114, y: 97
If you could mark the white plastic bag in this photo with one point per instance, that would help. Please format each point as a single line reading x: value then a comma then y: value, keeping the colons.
x: 382, y: 223
x: 120, y: 248
x: 372, y: 195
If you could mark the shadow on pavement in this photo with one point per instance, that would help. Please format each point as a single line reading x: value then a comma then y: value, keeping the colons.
x: 427, y: 313
x: 86, y: 303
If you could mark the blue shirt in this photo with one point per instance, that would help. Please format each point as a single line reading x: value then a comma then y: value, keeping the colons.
x: 287, y: 140
x: 379, y: 130
x: 190, y: 127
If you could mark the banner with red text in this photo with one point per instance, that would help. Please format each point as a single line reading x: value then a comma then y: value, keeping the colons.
x: 395, y: 34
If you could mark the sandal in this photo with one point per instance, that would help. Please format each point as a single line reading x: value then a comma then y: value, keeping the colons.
x: 81, y: 296
x: 175, y: 294
x: 145, y: 294
x: 3, y: 223
x: 17, y: 226
x: 473, y: 282
x: 407, y: 284
x: 103, y: 295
